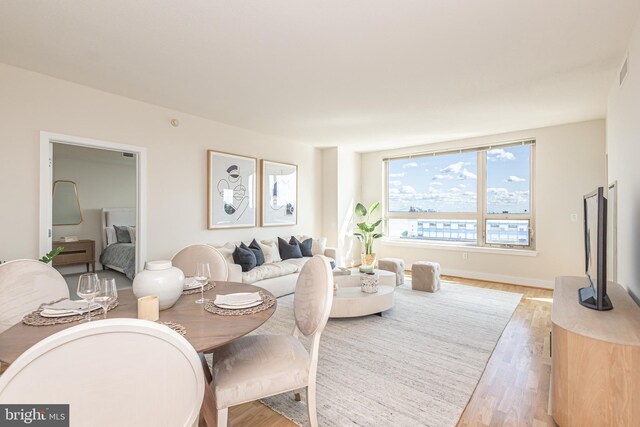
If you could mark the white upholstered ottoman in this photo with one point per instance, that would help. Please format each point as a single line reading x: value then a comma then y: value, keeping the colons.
x: 394, y: 265
x: 425, y: 276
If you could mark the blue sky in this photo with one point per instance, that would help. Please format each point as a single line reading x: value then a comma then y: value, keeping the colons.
x: 448, y: 183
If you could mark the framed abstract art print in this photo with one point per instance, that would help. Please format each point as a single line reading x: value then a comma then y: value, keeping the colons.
x: 231, y: 190
x: 279, y: 193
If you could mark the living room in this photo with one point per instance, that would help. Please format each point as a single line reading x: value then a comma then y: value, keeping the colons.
x: 510, y: 112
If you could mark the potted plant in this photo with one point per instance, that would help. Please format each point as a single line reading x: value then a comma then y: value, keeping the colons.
x: 367, y: 234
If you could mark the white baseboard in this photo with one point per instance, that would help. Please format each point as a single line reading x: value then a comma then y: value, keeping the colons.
x: 490, y: 277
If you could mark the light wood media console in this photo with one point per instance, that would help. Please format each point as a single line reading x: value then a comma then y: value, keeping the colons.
x: 595, y: 371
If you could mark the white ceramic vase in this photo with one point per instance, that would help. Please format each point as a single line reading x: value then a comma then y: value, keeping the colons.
x: 162, y: 279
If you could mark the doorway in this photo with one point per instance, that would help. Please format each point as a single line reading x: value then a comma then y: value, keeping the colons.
x: 93, y: 204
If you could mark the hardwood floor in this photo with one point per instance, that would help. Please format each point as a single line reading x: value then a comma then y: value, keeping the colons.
x: 514, y: 388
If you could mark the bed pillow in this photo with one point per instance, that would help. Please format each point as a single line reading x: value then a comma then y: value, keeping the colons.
x: 244, y: 257
x: 318, y: 246
x: 257, y: 251
x: 110, y: 234
x: 305, y: 245
x: 289, y: 250
x: 132, y: 233
x: 122, y: 234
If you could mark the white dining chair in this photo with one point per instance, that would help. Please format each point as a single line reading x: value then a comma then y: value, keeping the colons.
x: 259, y: 366
x: 115, y: 372
x: 24, y: 285
x: 187, y: 258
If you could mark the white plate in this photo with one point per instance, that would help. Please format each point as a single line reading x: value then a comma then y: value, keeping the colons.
x: 240, y: 298
x: 238, y: 307
x: 190, y: 283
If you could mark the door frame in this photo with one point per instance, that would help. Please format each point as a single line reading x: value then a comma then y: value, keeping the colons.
x: 46, y: 192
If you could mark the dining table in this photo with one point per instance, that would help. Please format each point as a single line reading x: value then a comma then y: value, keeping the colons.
x: 204, y: 330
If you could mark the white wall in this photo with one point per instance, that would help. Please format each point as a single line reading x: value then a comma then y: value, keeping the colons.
x: 623, y: 147
x: 570, y: 161
x: 340, y: 193
x: 103, y: 179
x: 177, y: 162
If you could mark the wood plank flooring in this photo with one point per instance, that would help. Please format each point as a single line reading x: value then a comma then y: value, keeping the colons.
x: 514, y: 388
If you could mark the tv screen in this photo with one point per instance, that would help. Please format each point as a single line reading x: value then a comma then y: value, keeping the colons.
x: 595, y: 250
x: 591, y: 240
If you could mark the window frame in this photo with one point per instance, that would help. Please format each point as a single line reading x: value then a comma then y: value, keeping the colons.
x: 481, y: 216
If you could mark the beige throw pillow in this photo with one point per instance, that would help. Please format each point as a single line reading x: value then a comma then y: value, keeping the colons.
x: 270, y: 251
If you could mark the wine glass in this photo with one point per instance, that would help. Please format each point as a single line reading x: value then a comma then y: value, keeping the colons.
x: 107, y: 293
x: 203, y: 274
x: 87, y: 288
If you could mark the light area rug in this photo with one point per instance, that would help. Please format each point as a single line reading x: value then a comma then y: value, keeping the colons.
x: 417, y: 365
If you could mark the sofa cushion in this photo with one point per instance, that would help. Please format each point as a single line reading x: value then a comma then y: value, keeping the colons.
x: 305, y: 245
x: 245, y: 257
x: 255, y: 248
x: 270, y: 251
x: 268, y: 271
x: 289, y: 249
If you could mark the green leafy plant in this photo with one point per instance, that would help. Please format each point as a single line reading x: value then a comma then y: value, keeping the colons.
x: 49, y: 257
x: 366, y: 233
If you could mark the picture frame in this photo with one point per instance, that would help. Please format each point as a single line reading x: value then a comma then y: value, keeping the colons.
x: 279, y: 188
x: 231, y: 190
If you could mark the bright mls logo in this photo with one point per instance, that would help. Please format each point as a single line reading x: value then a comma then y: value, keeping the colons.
x: 34, y: 415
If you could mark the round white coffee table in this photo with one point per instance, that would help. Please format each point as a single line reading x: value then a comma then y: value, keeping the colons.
x: 350, y: 301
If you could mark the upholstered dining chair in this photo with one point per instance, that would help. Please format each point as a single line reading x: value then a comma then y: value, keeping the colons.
x: 115, y: 372
x: 259, y: 366
x: 24, y: 285
x: 187, y: 258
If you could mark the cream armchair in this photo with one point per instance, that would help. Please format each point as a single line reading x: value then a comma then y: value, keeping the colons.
x: 259, y: 366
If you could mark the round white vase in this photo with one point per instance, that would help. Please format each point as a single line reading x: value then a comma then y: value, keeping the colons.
x: 162, y: 279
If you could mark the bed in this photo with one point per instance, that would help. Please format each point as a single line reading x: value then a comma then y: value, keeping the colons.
x: 118, y: 256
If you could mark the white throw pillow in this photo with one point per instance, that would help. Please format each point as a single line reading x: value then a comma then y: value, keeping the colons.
x: 110, y: 235
x: 318, y: 246
x: 270, y: 251
x: 227, y: 251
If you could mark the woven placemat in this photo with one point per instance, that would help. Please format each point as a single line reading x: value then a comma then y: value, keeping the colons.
x: 207, y: 287
x: 176, y: 327
x: 35, y: 319
x: 268, y: 302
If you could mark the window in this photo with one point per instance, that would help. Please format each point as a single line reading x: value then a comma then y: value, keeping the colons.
x: 434, y: 197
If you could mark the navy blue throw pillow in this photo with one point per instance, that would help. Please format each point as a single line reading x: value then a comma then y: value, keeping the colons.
x: 288, y: 250
x: 245, y: 258
x: 305, y: 246
x: 257, y: 251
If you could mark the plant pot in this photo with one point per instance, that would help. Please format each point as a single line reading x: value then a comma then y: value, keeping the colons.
x: 367, y: 263
x: 162, y: 279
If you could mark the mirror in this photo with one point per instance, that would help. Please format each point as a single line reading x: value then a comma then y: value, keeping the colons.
x: 66, y: 205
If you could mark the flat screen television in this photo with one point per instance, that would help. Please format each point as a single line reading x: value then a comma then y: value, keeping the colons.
x: 595, y: 296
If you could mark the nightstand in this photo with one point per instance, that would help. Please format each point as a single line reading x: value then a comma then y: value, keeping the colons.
x: 80, y: 252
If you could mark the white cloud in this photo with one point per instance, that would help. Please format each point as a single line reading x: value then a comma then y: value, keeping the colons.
x: 462, y: 186
x: 436, y: 183
x: 394, y: 191
x: 396, y: 175
x: 502, y: 198
x: 454, y: 168
x: 466, y: 174
x: 441, y: 176
x: 514, y: 178
x: 410, y: 165
x: 407, y: 189
x: 500, y: 154
x: 395, y: 182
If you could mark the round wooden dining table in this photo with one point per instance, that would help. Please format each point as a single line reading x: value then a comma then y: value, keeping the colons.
x: 205, y: 331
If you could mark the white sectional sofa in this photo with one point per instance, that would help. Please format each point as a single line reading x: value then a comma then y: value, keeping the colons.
x: 277, y: 276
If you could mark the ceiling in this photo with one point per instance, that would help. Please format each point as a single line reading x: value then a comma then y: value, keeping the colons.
x: 368, y: 74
